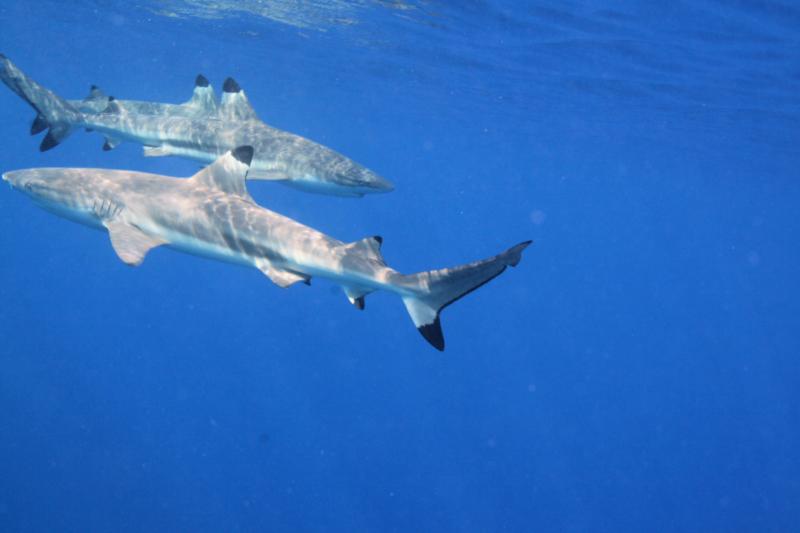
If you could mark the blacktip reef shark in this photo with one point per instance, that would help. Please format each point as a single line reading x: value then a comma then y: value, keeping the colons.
x: 281, y: 156
x: 212, y: 215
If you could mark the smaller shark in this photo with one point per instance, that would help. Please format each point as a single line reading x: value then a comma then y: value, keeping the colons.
x: 197, y: 130
x: 212, y: 215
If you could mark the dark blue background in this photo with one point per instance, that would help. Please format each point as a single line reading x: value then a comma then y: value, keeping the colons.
x: 637, y: 372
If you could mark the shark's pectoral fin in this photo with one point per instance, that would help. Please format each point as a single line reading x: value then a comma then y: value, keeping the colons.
x: 157, y: 151
x: 281, y: 278
x: 130, y: 243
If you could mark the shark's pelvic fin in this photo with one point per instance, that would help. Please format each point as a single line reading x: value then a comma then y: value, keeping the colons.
x: 235, y: 105
x: 130, y: 243
x: 281, y: 278
x: 229, y: 172
x: 111, y: 143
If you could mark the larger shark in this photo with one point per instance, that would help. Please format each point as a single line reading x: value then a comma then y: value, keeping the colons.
x: 282, y: 156
x: 211, y: 214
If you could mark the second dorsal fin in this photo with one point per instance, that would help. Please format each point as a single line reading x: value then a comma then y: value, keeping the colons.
x: 229, y: 172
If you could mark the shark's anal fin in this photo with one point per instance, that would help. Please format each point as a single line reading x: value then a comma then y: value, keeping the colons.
x: 356, y: 296
x: 281, y: 278
x: 130, y: 243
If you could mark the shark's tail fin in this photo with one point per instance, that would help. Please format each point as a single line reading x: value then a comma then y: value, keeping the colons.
x: 434, y: 290
x: 52, y: 110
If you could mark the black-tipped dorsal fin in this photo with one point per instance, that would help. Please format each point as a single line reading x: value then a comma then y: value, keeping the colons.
x: 229, y: 172
x: 234, y: 104
x: 203, y: 99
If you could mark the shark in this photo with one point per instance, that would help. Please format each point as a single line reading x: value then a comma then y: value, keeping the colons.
x: 212, y: 215
x: 198, y: 130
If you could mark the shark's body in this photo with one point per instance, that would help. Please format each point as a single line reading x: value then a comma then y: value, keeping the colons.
x: 198, y: 130
x: 212, y: 215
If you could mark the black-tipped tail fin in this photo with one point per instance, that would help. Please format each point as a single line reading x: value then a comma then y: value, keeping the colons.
x: 436, y: 289
x: 54, y: 111
x: 38, y: 125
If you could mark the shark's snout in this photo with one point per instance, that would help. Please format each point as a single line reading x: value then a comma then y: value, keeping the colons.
x: 365, y: 180
x: 12, y: 178
x: 380, y: 184
x: 26, y: 182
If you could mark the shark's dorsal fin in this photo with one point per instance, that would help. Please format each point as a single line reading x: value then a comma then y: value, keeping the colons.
x: 369, y: 247
x: 203, y: 99
x: 281, y: 278
x: 130, y: 243
x: 229, y: 172
x: 235, y: 105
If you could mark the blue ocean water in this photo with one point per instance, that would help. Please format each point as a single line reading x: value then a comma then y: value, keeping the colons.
x: 637, y: 372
